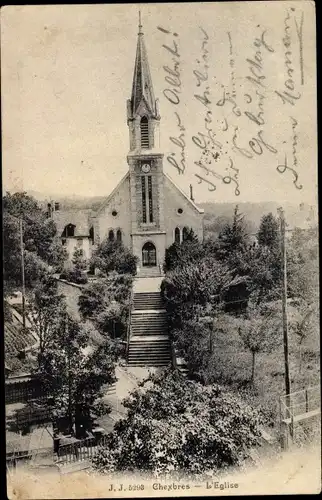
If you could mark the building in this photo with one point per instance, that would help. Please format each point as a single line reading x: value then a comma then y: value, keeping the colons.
x: 146, y: 211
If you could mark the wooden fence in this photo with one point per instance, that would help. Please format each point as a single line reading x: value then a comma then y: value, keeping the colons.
x: 79, y: 450
x: 298, y: 413
x: 22, y: 389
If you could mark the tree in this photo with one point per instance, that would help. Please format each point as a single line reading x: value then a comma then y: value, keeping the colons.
x: 76, y: 274
x: 75, y: 375
x: 259, y: 332
x: 44, y: 311
x: 106, y: 302
x: 175, y: 426
x: 268, y: 233
x: 186, y: 288
x: 233, y: 237
x: 179, y: 254
x: 113, y: 256
x: 41, y: 245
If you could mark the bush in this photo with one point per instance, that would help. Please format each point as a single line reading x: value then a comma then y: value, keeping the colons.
x: 107, y: 303
x: 175, y: 427
x: 74, y: 276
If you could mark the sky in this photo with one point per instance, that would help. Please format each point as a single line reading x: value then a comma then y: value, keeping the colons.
x: 67, y: 74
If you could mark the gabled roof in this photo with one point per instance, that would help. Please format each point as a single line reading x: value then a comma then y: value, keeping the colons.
x: 200, y: 210
x: 79, y: 218
x: 110, y: 196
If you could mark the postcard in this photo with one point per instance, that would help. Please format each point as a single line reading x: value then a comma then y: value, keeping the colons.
x: 160, y: 243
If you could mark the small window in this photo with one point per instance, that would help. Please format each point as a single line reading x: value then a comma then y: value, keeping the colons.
x: 180, y: 211
x: 63, y: 242
x: 177, y: 235
x: 114, y: 213
x: 80, y: 243
x: 111, y: 235
x: 119, y: 235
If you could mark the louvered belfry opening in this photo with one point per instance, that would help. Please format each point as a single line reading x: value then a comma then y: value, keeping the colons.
x: 144, y: 124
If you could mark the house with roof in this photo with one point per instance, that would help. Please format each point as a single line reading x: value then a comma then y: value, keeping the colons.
x: 147, y: 211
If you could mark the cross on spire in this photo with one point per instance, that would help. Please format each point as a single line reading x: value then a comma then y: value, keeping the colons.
x: 140, y: 24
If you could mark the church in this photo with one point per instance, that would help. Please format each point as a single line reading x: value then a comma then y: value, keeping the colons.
x: 146, y: 210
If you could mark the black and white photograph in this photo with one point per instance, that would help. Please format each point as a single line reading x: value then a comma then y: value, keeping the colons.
x: 160, y: 250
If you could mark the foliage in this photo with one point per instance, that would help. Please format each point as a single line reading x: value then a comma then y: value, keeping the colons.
x: 75, y: 374
x: 44, y: 311
x: 191, y: 286
x: 259, y: 332
x: 113, y: 256
x: 76, y: 274
x: 178, y: 426
x: 41, y: 246
x: 233, y: 237
x: 268, y: 233
x: 179, y: 254
x: 303, y: 265
x: 107, y: 302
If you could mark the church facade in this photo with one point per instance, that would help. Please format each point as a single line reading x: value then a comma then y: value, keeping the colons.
x: 146, y: 210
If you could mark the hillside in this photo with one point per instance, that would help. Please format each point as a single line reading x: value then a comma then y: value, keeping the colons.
x: 216, y: 214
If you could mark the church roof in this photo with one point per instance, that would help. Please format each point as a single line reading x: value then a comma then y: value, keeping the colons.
x: 142, y: 88
x: 200, y: 210
x: 110, y: 196
x: 79, y: 218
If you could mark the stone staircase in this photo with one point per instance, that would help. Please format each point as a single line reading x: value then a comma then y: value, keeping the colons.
x: 149, y: 272
x: 149, y: 343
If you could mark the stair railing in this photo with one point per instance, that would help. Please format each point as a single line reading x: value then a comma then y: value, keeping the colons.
x: 128, y: 331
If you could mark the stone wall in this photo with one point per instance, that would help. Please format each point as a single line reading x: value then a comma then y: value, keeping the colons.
x: 120, y: 202
x: 190, y: 217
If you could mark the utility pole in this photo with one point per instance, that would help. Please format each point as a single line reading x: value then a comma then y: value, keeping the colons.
x: 23, y: 275
x: 284, y: 307
x: 70, y: 417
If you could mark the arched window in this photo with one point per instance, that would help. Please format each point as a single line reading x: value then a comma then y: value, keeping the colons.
x: 69, y: 231
x: 177, y: 235
x: 144, y: 126
x: 91, y: 233
x: 119, y: 235
x: 185, y: 233
x: 111, y: 235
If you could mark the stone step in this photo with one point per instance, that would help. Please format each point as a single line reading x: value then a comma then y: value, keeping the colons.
x: 149, y: 313
x: 150, y: 320
x: 149, y: 352
x: 141, y: 330
x: 150, y: 338
x: 138, y: 345
x: 148, y: 363
x: 150, y: 358
x: 147, y: 306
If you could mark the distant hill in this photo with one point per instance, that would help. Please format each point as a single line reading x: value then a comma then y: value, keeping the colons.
x: 216, y: 214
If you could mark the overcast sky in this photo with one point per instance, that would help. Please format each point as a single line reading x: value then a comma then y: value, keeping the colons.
x: 67, y: 73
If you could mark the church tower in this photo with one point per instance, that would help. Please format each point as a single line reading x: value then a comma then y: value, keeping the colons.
x: 145, y: 165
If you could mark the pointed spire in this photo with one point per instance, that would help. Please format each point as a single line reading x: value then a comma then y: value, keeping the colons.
x: 140, y: 24
x: 142, y: 83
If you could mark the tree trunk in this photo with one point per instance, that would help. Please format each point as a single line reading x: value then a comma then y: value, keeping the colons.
x: 300, y: 359
x: 253, y: 367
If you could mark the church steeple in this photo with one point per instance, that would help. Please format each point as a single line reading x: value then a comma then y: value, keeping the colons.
x: 142, y: 88
x: 142, y: 109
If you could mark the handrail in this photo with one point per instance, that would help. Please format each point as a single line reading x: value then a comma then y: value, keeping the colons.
x: 128, y: 332
x: 289, y: 404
